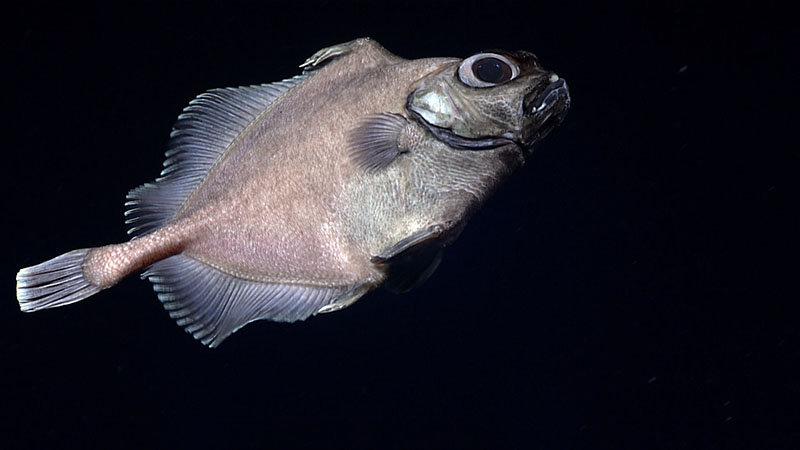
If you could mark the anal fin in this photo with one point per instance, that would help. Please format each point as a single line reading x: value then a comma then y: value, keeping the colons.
x: 211, y: 305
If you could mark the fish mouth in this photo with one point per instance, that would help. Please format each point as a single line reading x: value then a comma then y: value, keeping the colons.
x: 545, y: 110
x: 463, y: 143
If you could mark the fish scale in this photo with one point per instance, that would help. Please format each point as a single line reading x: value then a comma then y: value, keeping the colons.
x: 285, y: 200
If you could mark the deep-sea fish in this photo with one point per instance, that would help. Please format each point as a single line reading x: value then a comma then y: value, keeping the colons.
x: 284, y: 200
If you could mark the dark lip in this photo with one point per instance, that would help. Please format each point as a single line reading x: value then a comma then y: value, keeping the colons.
x: 547, y: 109
x: 552, y: 93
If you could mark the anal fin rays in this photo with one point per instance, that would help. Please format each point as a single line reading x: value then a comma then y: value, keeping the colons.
x: 211, y: 305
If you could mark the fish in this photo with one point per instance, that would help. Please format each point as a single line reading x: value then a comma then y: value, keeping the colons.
x: 285, y: 200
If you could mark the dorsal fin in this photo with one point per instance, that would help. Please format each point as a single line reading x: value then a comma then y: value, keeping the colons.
x: 205, y: 129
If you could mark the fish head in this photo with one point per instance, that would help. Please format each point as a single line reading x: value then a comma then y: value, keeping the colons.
x: 490, y: 99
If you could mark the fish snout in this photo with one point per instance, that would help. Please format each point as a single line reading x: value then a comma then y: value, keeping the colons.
x: 555, y: 94
x: 544, y: 109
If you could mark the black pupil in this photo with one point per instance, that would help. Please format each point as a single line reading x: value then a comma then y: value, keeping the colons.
x: 491, y: 70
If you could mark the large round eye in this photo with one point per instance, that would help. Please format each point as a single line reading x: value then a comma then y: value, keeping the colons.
x: 486, y: 70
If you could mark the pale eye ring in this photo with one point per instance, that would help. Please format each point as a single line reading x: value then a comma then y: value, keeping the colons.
x: 487, y: 70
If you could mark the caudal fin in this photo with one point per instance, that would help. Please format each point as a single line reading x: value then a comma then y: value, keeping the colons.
x: 57, y: 282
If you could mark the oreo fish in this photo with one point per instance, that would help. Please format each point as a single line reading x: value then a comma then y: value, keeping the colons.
x: 285, y: 200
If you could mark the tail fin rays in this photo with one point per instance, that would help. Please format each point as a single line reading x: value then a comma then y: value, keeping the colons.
x: 56, y: 282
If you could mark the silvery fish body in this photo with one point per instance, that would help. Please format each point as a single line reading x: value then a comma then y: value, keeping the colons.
x: 285, y: 200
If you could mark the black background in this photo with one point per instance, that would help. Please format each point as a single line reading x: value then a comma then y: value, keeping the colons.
x: 634, y: 286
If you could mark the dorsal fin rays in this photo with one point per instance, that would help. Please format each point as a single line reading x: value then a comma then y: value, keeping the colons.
x: 211, y: 305
x: 202, y: 133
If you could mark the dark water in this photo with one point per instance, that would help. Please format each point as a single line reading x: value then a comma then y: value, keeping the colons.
x: 635, y: 286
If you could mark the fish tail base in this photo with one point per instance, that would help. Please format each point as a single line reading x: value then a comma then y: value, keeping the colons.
x: 56, y: 282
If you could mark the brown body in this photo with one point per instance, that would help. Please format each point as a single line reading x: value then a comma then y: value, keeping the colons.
x: 284, y: 212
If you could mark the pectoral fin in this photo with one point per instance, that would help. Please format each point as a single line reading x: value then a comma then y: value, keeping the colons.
x: 377, y: 140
